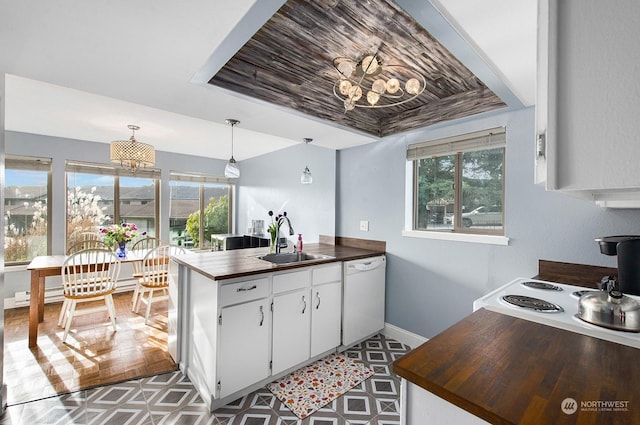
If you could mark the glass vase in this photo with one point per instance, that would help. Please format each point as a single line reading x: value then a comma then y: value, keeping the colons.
x: 272, y: 246
x: 122, y: 249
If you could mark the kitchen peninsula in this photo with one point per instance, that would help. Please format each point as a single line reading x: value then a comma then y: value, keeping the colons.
x: 237, y: 322
x: 499, y: 369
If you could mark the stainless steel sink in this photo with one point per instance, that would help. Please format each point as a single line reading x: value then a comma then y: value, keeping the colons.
x: 293, y: 257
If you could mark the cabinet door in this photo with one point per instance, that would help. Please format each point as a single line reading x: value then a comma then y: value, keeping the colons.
x: 326, y: 302
x: 244, y: 346
x: 291, y: 329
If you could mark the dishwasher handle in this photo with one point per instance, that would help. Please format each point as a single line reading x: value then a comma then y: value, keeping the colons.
x: 366, y: 264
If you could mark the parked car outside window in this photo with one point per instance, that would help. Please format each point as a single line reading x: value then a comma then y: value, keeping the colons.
x: 480, y: 217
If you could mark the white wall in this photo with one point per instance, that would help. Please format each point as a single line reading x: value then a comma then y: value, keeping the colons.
x: 272, y: 182
x: 431, y: 284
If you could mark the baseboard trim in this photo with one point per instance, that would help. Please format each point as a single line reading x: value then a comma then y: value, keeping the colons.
x: 403, y: 336
x: 125, y: 285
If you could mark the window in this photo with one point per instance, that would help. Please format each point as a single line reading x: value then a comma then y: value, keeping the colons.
x: 99, y: 195
x: 459, y: 183
x: 26, y: 208
x: 200, y: 207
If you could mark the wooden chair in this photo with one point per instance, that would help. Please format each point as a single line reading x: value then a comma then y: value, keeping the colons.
x: 141, y: 247
x: 83, y: 242
x: 155, y: 276
x: 89, y: 275
x: 81, y: 245
x: 81, y: 235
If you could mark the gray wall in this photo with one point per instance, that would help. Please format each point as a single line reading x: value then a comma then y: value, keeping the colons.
x: 272, y: 182
x: 431, y: 284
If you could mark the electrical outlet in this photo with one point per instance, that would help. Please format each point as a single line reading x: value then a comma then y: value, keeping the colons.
x: 364, y: 225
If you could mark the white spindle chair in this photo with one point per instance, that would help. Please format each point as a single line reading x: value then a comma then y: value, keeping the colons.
x: 155, y: 276
x: 89, y: 275
x: 87, y: 244
x: 141, y: 247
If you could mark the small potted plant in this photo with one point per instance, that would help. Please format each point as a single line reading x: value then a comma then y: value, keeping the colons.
x: 273, y: 229
x: 120, y: 234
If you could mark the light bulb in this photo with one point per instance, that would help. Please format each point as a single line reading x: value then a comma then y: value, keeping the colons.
x: 412, y: 86
x: 345, y: 86
x: 379, y: 86
x: 393, y: 85
x: 372, y: 97
x: 355, y: 93
x: 369, y: 64
x: 345, y: 68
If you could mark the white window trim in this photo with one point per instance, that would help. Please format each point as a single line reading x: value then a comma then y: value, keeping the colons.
x: 440, y: 235
x: 459, y: 237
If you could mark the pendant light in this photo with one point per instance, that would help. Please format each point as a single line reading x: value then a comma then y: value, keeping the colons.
x: 306, y: 177
x: 131, y: 154
x: 231, y: 170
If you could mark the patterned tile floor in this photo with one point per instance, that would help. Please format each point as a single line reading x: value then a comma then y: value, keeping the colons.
x: 171, y: 399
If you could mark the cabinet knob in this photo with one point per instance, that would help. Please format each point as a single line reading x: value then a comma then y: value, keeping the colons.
x: 318, y: 297
x: 304, y: 300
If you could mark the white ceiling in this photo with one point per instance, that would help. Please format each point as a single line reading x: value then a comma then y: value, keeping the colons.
x: 84, y: 70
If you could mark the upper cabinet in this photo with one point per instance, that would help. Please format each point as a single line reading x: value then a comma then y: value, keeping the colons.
x: 588, y: 100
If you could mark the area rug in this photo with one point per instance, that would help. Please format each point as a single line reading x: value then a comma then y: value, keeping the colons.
x: 311, y: 387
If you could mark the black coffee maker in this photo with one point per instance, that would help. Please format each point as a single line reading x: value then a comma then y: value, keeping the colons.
x: 627, y: 248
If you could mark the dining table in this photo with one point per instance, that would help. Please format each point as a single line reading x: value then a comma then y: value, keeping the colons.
x: 42, y: 267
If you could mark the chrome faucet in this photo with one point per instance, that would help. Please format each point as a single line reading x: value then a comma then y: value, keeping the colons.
x: 278, y: 224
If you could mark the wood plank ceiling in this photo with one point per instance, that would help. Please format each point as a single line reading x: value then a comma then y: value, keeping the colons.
x: 289, y: 62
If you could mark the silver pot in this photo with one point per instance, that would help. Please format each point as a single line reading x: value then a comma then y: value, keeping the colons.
x: 610, y: 309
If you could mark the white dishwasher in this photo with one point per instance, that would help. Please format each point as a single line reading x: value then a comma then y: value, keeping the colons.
x: 363, y: 299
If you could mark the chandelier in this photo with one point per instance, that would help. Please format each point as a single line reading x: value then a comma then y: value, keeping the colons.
x: 368, y: 78
x: 132, y: 154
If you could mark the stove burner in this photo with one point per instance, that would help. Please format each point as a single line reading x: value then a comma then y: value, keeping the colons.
x: 532, y: 303
x: 542, y: 285
x: 581, y: 293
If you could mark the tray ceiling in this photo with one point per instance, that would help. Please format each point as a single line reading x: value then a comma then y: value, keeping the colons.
x: 289, y: 62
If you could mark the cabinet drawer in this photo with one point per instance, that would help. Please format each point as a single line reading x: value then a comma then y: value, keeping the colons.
x: 328, y: 273
x: 291, y: 281
x: 246, y: 290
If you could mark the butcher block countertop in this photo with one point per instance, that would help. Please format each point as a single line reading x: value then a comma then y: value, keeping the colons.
x: 222, y: 265
x: 507, y: 370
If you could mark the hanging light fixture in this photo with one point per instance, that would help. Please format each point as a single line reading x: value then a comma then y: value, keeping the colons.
x: 306, y: 177
x: 132, y: 154
x: 368, y: 78
x: 231, y: 170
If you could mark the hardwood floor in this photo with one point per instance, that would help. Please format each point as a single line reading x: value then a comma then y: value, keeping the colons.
x: 93, y: 355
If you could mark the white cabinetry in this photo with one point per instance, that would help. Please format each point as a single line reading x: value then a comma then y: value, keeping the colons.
x: 307, y: 309
x: 587, y: 103
x: 326, y: 308
x: 199, y: 356
x: 239, y: 334
x: 244, y: 335
x: 291, y: 320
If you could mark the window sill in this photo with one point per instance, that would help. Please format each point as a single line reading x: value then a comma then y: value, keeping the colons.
x: 459, y: 237
x: 15, y: 268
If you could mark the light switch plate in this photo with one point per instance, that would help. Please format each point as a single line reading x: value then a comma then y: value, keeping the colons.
x: 364, y: 225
